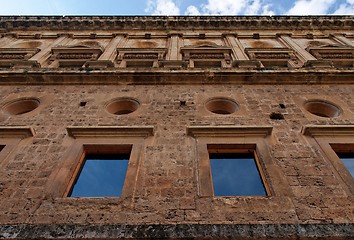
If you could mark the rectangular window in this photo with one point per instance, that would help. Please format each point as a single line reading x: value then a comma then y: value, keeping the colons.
x: 337, y: 144
x: 235, y: 173
x: 100, y: 173
x: 348, y: 160
x: 345, y: 153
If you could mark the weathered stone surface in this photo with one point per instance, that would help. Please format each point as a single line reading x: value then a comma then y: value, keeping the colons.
x: 179, y: 231
x: 173, y: 22
x: 310, y: 193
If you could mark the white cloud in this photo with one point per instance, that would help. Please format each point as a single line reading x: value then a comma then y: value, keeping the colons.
x: 192, y: 10
x: 225, y: 7
x: 310, y: 7
x: 162, y: 7
x: 267, y: 11
x: 345, y: 8
x: 231, y: 7
x: 253, y: 9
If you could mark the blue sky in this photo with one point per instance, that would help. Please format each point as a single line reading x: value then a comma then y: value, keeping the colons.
x: 176, y: 7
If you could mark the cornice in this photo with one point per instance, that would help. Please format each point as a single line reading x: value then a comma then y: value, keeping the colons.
x: 168, y: 23
x: 110, y: 131
x: 16, y: 132
x: 327, y: 130
x: 171, y: 77
x: 229, y: 131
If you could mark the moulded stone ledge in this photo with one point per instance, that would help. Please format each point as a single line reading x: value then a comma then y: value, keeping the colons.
x: 327, y: 130
x: 110, y: 131
x: 173, y: 64
x: 319, y: 63
x: 173, y: 22
x: 98, y: 64
x: 16, y: 132
x: 229, y: 131
x: 181, y: 76
x: 246, y: 63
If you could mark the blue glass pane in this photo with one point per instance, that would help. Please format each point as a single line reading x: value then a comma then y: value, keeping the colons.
x: 101, y: 176
x: 235, y: 174
x: 348, y: 161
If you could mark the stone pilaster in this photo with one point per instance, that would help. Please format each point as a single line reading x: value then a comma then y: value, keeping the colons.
x: 41, y: 57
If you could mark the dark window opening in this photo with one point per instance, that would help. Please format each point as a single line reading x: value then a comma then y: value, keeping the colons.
x: 1, y: 147
x: 282, y: 106
x: 101, y: 175
x: 236, y: 174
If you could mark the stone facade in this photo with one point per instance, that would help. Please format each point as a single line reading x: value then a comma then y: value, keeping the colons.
x: 169, y: 86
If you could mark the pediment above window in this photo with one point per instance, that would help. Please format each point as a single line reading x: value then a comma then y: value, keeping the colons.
x: 74, y: 56
x: 339, y: 56
x: 207, y: 56
x: 206, y: 51
x: 331, y: 52
x: 10, y: 57
x: 273, y: 57
x: 140, y: 57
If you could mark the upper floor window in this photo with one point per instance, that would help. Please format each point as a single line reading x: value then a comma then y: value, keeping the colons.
x: 348, y: 160
x: 235, y: 173
x: 337, y: 144
x: 102, y: 162
x: 100, y: 175
x: 345, y: 152
x: 235, y: 161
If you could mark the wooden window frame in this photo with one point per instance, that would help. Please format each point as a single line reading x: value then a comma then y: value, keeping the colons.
x: 332, y: 139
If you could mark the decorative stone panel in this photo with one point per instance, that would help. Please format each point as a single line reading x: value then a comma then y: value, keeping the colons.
x: 338, y: 56
x: 75, y: 56
x: 273, y: 57
x: 207, y: 56
x: 17, y: 57
x: 140, y: 57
